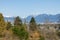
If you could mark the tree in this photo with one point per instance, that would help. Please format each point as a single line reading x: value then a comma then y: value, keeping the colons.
x: 19, y: 29
x: 32, y: 24
x: 9, y: 25
x: 17, y: 21
x: 21, y: 33
x: 2, y: 24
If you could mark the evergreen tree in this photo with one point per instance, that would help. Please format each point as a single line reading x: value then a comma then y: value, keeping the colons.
x: 21, y: 33
x: 32, y: 24
x: 17, y: 21
x: 19, y: 29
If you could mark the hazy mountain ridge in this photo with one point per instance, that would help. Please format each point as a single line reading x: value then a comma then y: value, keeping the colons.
x: 39, y: 18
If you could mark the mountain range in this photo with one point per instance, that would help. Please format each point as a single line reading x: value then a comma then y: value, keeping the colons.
x: 39, y: 18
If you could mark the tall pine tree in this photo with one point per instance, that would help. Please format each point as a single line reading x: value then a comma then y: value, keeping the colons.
x: 19, y: 29
x: 18, y: 21
x: 32, y: 24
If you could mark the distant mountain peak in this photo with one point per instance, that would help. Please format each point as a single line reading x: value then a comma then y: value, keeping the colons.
x: 39, y: 18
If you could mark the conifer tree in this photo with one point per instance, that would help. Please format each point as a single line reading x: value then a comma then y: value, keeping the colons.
x: 19, y: 29
x: 32, y: 24
x: 17, y: 21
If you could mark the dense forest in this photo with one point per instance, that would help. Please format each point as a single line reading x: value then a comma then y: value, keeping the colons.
x: 31, y: 31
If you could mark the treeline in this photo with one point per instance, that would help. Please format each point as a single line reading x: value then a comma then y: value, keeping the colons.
x: 18, y: 28
x: 22, y: 30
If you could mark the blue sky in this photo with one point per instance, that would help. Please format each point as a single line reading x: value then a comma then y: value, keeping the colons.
x: 24, y: 8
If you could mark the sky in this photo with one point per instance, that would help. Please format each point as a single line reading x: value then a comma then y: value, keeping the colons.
x: 24, y: 8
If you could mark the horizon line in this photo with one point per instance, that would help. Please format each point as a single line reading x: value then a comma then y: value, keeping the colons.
x: 30, y: 15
